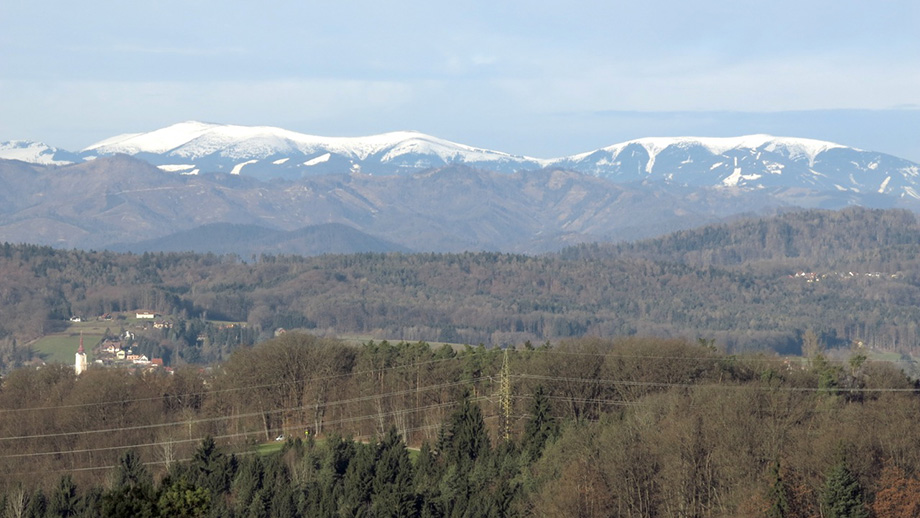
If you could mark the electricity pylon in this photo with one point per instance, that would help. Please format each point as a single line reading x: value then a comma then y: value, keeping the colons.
x: 504, y: 398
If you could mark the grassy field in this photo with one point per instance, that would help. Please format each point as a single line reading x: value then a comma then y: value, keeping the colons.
x: 269, y: 447
x: 61, y: 347
x: 885, y: 356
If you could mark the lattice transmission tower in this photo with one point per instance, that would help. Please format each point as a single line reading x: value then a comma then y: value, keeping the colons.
x: 504, y: 398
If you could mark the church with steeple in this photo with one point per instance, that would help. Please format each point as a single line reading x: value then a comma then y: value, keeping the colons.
x: 79, y: 364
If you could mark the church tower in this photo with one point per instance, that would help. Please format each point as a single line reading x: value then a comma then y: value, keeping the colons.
x: 79, y: 364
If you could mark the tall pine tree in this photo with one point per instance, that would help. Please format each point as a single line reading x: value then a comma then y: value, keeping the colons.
x: 540, y: 428
x: 779, y: 494
x: 842, y: 495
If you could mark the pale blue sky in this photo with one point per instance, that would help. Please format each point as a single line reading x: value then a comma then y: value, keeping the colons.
x: 536, y: 78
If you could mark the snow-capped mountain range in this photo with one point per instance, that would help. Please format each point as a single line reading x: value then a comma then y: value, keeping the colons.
x: 748, y: 162
x: 754, y: 162
x: 267, y: 152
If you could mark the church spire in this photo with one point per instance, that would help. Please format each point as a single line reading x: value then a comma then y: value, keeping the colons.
x: 80, y: 364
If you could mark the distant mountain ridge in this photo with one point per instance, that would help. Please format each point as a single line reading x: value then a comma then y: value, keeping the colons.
x: 115, y: 201
x: 747, y: 162
x: 406, y: 191
x: 268, y: 152
x: 753, y: 162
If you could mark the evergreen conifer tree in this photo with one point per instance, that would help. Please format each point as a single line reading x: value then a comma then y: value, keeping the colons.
x: 64, y: 501
x: 211, y: 469
x: 38, y: 505
x: 180, y: 499
x: 358, y: 483
x: 540, y: 428
x: 131, y: 472
x: 260, y: 507
x: 131, y: 494
x: 283, y: 505
x: 779, y: 495
x: 394, y: 486
x: 428, y: 472
x: 247, y: 483
x: 843, y: 496
x: 465, y: 439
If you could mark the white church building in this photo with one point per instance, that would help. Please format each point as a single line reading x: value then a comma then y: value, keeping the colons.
x: 79, y: 364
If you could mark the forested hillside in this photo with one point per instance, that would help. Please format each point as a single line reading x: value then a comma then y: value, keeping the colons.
x: 590, y: 427
x: 849, y: 276
x: 853, y: 239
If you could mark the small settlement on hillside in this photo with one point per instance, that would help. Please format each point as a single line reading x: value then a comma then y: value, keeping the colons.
x: 118, y: 353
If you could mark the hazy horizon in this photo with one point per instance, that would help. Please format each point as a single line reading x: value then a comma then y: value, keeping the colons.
x: 543, y: 80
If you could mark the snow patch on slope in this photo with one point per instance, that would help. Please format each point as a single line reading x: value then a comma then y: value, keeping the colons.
x: 884, y: 185
x: 318, y: 160
x: 239, y: 167
x: 173, y: 168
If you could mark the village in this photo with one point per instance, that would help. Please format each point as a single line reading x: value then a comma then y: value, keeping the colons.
x: 117, y: 352
x: 145, y: 341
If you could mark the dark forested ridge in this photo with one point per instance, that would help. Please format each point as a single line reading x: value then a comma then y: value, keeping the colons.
x: 248, y: 240
x: 856, y: 238
x: 848, y: 276
x: 633, y: 427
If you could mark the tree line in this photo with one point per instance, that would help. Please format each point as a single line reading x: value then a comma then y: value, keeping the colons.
x: 632, y: 427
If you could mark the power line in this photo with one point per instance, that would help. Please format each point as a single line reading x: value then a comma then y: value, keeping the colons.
x: 168, y: 396
x: 150, y: 463
x: 710, y: 357
x: 406, y: 411
x: 123, y: 447
x: 446, y: 385
x: 231, y: 389
x: 585, y: 400
x: 250, y: 414
x: 747, y: 386
x: 241, y: 434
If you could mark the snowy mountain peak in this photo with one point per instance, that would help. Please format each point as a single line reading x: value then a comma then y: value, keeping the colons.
x: 34, y: 152
x: 795, y: 147
x: 197, y: 139
x: 174, y: 137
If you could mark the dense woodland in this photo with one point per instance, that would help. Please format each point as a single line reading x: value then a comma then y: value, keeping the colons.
x: 633, y: 427
x: 733, y: 283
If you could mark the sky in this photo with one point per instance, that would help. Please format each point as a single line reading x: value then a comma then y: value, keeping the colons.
x: 535, y: 78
